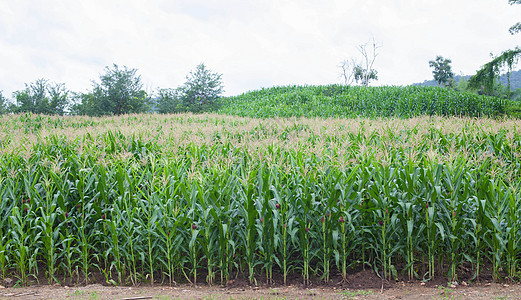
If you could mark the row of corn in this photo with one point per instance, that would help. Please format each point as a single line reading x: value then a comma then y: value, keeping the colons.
x: 353, y: 101
x: 210, y: 212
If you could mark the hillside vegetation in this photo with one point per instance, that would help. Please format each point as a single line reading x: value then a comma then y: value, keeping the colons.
x: 357, y: 101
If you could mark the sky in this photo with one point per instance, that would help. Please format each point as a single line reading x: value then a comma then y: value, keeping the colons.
x: 253, y: 44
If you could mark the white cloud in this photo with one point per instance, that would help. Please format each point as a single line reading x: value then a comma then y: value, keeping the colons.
x: 253, y: 43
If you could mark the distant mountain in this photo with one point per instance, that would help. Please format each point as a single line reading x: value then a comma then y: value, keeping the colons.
x: 515, y: 80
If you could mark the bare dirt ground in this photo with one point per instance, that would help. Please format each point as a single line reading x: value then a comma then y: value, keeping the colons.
x: 405, y: 291
x: 361, y: 285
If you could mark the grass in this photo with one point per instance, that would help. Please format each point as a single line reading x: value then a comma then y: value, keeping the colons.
x: 94, y: 296
x: 76, y: 293
x: 447, y: 293
x: 348, y: 294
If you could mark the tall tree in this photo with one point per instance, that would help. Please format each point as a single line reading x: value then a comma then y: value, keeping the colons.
x: 516, y: 27
x: 362, y: 71
x: 43, y: 97
x: 120, y: 91
x: 59, y: 99
x: 3, y: 104
x: 169, y: 101
x: 442, y: 71
x: 348, y: 70
x: 201, y: 89
x: 369, y: 53
x: 486, y: 77
x: 363, y: 76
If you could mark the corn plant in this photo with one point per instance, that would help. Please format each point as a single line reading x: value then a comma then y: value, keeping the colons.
x: 513, y: 242
x: 304, y: 219
x: 149, y: 198
x: 85, y: 216
x: 149, y: 204
x: 344, y: 238
x: 287, y: 229
x: 496, y: 216
x: 267, y: 237
x: 453, y: 216
x: 24, y: 242
x: 248, y: 213
x: 344, y: 101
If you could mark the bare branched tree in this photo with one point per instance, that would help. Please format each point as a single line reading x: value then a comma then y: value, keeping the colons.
x: 347, y: 70
x: 361, y: 71
x: 369, y: 53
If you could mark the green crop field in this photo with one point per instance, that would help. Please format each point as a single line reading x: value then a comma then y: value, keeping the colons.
x: 359, y: 101
x: 207, y: 198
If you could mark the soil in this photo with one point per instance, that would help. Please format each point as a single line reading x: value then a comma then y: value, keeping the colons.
x: 360, y: 285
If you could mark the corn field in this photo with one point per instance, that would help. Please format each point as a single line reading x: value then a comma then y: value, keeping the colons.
x: 209, y: 198
x: 358, y: 101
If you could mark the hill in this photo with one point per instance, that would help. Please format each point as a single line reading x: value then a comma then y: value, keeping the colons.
x: 357, y: 101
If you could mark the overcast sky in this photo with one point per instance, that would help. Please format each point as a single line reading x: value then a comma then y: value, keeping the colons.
x: 254, y: 44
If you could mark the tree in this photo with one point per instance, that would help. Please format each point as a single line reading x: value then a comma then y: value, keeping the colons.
x: 363, y: 76
x: 362, y: 71
x: 120, y: 91
x: 348, y: 70
x: 169, y: 101
x: 516, y: 28
x: 369, y: 53
x: 3, y: 104
x: 201, y: 90
x: 43, y: 97
x: 486, y: 77
x: 59, y: 99
x: 442, y: 71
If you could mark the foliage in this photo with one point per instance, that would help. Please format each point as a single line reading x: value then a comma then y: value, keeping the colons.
x: 42, y: 97
x: 353, y: 71
x: 120, y: 91
x: 145, y: 201
x: 362, y: 71
x: 486, y: 76
x: 442, y: 71
x: 169, y: 101
x: 516, y: 28
x: 513, y: 109
x: 201, y: 90
x: 514, y: 77
x: 366, y: 71
x: 3, y: 104
x: 348, y: 70
x: 364, y: 76
x: 345, y: 101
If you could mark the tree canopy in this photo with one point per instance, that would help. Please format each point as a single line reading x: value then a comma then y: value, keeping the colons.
x: 3, y: 104
x: 169, y: 101
x: 442, y: 71
x: 361, y: 71
x: 201, y: 89
x: 42, y: 97
x: 364, y: 76
x: 485, y: 77
x: 120, y: 91
x: 516, y: 27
